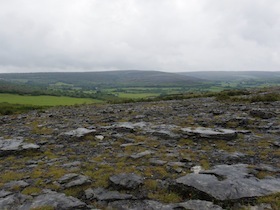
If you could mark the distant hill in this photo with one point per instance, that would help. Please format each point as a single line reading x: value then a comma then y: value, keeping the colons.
x: 233, y: 75
x: 107, y: 78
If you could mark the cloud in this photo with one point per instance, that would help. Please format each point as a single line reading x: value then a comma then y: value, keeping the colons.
x: 178, y: 35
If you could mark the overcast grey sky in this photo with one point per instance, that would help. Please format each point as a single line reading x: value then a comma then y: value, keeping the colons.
x: 166, y: 35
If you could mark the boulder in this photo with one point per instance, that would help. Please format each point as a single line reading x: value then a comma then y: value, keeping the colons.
x: 210, y: 133
x: 129, y: 181
x: 227, y: 182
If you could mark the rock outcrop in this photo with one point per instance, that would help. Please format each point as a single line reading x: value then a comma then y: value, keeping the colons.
x: 227, y: 182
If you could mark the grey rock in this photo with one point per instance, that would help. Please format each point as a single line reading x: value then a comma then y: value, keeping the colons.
x: 4, y: 193
x: 140, y: 205
x: 262, y: 114
x: 227, y: 182
x: 16, y: 145
x: 126, y: 181
x: 13, y: 184
x: 141, y: 154
x: 180, y: 164
x: 79, y: 132
x: 12, y: 201
x: 157, y: 162
x: 262, y: 206
x: 165, y: 134
x: 55, y: 200
x: 73, y: 180
x: 72, y: 164
x: 102, y: 194
x: 132, y: 144
x: 276, y: 143
x: 199, y: 205
x: 210, y: 133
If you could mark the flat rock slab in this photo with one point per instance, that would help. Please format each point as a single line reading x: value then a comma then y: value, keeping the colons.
x: 210, y: 133
x: 142, y: 154
x: 12, y: 201
x: 126, y: 181
x: 227, y: 182
x: 198, y: 205
x: 55, y: 200
x: 155, y: 205
x: 79, y: 132
x: 73, y: 180
x: 102, y: 194
x: 13, y: 146
x: 16, y: 184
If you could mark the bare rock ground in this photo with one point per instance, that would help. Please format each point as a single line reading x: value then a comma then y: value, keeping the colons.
x: 186, y: 154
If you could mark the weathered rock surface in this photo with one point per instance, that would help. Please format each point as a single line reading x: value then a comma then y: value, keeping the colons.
x: 55, y: 200
x: 16, y: 145
x: 178, y: 137
x: 79, y: 132
x: 142, y: 154
x: 210, y: 133
x: 198, y: 205
x: 126, y: 181
x: 73, y: 180
x: 262, y: 113
x: 12, y: 201
x: 155, y: 205
x: 16, y: 184
x: 228, y: 182
x: 102, y: 194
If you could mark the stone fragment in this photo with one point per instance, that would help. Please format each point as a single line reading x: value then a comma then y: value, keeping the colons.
x: 196, y: 169
x: 99, y: 137
x: 157, y: 162
x: 129, y: 181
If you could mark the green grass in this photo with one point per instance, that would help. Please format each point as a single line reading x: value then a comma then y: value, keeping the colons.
x: 44, y: 100
x: 136, y: 95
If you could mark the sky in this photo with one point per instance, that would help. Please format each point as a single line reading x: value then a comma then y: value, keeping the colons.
x: 164, y: 35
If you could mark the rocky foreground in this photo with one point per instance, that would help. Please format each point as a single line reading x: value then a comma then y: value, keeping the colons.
x: 188, y: 154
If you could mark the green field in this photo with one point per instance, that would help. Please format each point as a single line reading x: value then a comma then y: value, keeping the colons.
x: 136, y: 95
x: 45, y: 100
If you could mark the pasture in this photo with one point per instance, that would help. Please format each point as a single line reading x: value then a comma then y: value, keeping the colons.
x: 45, y: 100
